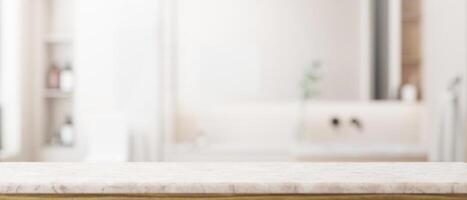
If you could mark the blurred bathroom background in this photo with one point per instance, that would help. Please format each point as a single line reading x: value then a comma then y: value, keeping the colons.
x: 233, y: 80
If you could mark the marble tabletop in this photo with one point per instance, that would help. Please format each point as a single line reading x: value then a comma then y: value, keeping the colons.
x: 233, y: 178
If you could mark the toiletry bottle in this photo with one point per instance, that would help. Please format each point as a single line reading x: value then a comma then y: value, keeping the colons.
x: 67, y: 135
x: 66, y: 79
x: 409, y: 91
x: 53, y: 77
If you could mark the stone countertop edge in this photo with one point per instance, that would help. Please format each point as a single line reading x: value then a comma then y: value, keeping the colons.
x: 233, y: 178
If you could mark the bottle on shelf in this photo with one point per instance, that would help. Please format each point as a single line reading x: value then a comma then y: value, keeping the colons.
x: 66, y: 79
x: 53, y: 77
x: 67, y: 135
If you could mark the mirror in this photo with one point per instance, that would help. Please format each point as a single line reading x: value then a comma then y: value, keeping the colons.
x: 322, y: 79
x: 282, y: 50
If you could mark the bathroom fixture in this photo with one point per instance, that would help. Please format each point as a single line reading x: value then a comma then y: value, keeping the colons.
x: 356, y: 122
x: 335, y: 122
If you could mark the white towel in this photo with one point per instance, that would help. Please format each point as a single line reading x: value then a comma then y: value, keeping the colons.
x: 450, y: 145
x: 107, y: 138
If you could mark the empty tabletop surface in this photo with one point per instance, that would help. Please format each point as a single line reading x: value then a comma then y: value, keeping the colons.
x: 233, y: 178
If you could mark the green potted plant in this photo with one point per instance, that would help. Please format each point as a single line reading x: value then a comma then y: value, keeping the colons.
x: 309, y: 89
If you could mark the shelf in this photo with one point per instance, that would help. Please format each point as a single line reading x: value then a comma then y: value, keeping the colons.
x: 53, y: 20
x: 57, y: 94
x: 58, y: 39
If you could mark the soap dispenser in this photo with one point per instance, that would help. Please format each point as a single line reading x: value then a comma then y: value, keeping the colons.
x: 67, y: 134
x: 66, y: 79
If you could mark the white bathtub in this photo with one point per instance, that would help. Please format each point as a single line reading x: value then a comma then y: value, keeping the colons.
x: 269, y: 131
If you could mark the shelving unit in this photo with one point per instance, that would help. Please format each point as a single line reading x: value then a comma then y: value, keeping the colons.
x: 55, y: 39
x: 57, y: 94
x: 53, y: 46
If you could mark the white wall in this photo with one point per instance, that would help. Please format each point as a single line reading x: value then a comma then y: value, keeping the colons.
x: 117, y: 61
x: 445, y: 51
x: 11, y: 54
x: 257, y: 49
x: 15, y: 79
